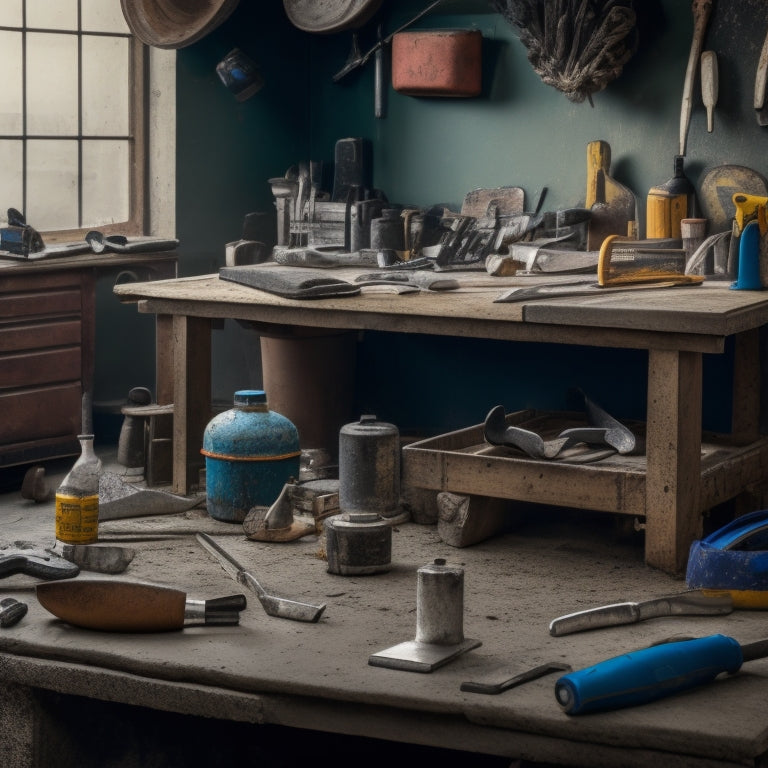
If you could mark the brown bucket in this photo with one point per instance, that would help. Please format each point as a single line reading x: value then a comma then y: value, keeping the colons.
x: 437, y: 62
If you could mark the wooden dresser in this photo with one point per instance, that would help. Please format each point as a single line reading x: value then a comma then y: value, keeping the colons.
x: 47, y: 330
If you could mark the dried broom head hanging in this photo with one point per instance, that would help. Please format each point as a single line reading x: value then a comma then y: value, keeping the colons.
x: 576, y: 46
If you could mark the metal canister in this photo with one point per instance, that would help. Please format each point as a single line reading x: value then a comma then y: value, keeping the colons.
x: 358, y: 543
x: 440, y: 604
x: 369, y: 467
x: 250, y: 454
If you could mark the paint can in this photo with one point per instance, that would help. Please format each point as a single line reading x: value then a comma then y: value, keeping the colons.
x: 250, y: 454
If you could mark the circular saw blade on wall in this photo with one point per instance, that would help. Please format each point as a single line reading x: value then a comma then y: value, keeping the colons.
x: 576, y: 46
x: 325, y: 16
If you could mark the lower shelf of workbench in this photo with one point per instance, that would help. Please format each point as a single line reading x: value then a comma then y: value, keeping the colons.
x: 463, y: 462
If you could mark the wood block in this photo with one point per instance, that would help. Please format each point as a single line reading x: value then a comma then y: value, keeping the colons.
x: 465, y: 520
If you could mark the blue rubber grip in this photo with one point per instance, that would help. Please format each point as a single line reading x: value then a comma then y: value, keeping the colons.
x: 648, y: 674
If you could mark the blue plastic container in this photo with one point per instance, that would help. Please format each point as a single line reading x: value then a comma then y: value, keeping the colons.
x: 250, y: 454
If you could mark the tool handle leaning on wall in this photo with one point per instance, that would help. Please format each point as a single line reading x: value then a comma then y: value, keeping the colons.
x: 648, y: 674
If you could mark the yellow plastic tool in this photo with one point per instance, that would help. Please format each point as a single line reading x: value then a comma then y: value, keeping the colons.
x: 747, y: 209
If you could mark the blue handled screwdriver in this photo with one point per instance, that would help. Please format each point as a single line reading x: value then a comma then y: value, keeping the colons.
x: 653, y: 673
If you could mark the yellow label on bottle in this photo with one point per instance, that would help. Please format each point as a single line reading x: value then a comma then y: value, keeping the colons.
x: 77, y: 519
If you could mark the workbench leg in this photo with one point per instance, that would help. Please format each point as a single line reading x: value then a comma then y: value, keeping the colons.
x: 673, y: 453
x: 164, y: 359
x: 191, y: 398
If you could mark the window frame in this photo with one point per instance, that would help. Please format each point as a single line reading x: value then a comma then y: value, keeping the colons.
x: 138, y: 134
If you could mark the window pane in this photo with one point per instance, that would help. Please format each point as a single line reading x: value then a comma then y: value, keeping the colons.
x: 52, y: 14
x: 11, y: 92
x: 103, y: 16
x: 11, y: 190
x: 105, y: 182
x: 52, y: 184
x: 51, y: 84
x: 10, y: 13
x: 105, y: 86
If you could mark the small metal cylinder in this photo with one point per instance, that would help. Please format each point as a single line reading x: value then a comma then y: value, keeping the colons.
x: 440, y: 604
x: 369, y: 467
x: 358, y: 543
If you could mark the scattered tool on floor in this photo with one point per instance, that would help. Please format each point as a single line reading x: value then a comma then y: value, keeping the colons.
x: 35, y: 562
x: 652, y: 673
x: 273, y: 605
x: 694, y: 603
x: 119, y: 500
x: 101, y: 558
x: 277, y: 523
x: 733, y: 560
x: 491, y: 684
x: 128, y: 606
x: 12, y: 611
x: 439, y: 623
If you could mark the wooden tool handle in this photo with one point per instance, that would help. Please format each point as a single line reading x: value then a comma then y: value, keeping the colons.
x: 598, y: 159
x: 701, y: 12
x: 709, y: 86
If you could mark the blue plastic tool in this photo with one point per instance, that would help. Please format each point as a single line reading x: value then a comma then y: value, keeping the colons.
x: 651, y: 673
x: 735, y: 557
x: 748, y: 277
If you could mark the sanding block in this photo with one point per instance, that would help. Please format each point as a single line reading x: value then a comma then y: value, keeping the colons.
x: 624, y: 261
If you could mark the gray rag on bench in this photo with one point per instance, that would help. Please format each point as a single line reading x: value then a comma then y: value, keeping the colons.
x: 291, y: 282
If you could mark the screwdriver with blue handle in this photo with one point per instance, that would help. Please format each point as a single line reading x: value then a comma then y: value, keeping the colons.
x: 652, y: 673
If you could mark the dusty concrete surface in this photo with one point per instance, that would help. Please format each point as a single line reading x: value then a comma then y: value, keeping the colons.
x: 273, y: 671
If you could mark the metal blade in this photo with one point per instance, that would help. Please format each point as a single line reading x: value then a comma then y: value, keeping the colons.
x: 227, y: 562
x: 686, y: 604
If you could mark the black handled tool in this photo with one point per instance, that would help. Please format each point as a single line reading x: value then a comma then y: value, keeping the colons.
x: 46, y: 566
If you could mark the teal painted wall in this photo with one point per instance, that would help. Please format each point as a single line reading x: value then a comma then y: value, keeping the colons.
x: 519, y: 131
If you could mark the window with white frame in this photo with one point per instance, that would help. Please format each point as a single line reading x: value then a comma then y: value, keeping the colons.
x: 72, y: 117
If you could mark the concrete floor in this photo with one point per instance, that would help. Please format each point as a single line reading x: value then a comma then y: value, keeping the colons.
x: 556, y: 563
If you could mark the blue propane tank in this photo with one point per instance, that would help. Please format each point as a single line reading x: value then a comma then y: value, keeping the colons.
x: 250, y: 454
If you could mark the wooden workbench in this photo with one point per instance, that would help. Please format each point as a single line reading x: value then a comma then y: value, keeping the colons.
x: 671, y: 487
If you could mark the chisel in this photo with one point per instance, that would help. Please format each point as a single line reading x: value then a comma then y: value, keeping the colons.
x: 652, y: 673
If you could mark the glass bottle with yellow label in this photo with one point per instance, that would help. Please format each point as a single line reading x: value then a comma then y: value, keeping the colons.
x: 77, y: 498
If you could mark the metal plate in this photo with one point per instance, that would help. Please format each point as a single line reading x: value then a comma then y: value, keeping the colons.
x: 412, y: 656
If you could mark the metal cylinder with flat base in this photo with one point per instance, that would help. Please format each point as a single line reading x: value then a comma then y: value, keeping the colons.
x: 358, y: 543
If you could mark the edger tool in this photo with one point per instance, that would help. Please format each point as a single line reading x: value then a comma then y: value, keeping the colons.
x: 274, y: 606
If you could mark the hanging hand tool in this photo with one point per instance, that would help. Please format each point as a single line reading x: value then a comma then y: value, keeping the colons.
x: 653, y: 673
x: 761, y: 80
x: 273, y: 605
x: 687, y: 604
x: 356, y: 59
x: 701, y: 12
x: 709, y: 86
x: 125, y: 606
